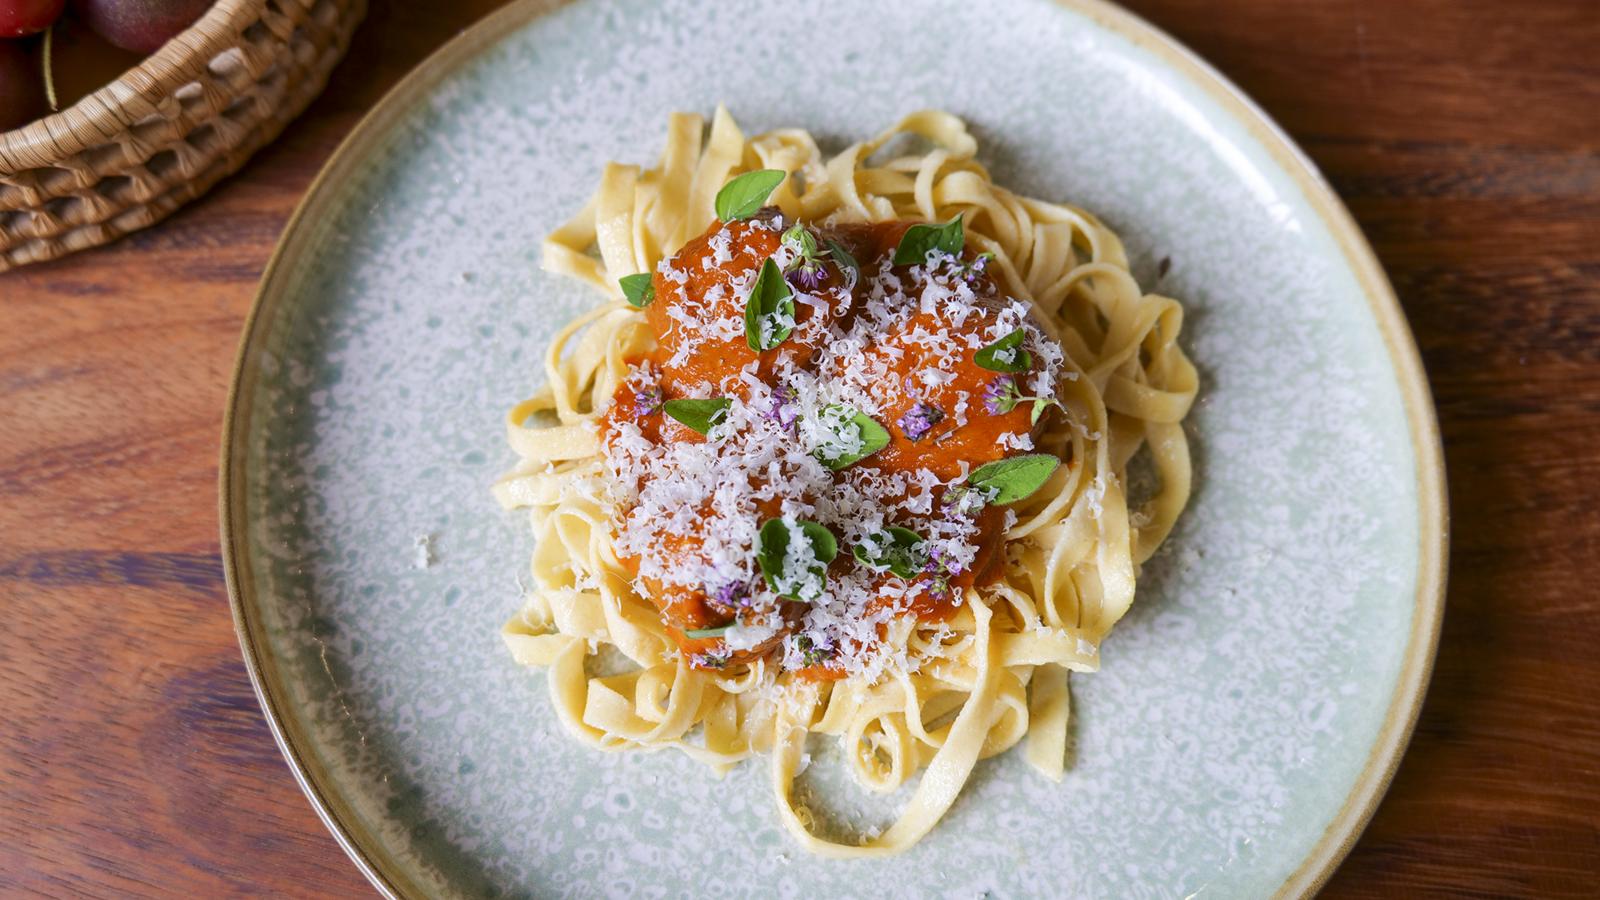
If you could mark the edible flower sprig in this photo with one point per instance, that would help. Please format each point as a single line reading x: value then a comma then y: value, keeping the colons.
x: 939, y: 572
x: 784, y: 408
x: 806, y: 271
x: 1002, y: 396
x: 711, y: 660
x: 647, y: 401
x: 813, y: 652
x: 972, y: 271
x: 730, y: 598
x: 919, y: 420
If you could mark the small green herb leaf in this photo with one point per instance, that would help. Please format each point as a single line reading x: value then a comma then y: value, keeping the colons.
x: 743, y: 196
x: 1006, y: 354
x: 873, y: 437
x: 772, y: 549
x: 1040, y: 404
x: 823, y: 544
x: 842, y: 258
x: 701, y: 415
x: 919, y: 240
x: 769, y: 313
x: 901, y: 552
x: 1010, y: 480
x: 698, y: 633
x: 637, y: 289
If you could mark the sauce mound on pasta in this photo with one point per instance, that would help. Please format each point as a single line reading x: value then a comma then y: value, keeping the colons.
x: 788, y: 479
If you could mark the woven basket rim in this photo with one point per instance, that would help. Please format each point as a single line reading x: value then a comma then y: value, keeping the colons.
x: 98, y: 116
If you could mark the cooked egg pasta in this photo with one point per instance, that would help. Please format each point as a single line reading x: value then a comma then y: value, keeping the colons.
x: 954, y: 691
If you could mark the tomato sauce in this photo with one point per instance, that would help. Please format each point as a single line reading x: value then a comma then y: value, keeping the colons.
x: 962, y: 432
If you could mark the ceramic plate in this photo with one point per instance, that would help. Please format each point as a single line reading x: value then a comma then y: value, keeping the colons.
x: 1252, y: 705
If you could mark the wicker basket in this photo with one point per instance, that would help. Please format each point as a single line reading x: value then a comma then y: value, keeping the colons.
x: 129, y: 154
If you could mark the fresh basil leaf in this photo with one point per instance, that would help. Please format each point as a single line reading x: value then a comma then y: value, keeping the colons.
x: 1006, y: 354
x: 901, y: 552
x: 771, y: 304
x: 637, y: 289
x: 743, y: 196
x: 1010, y: 480
x: 701, y: 415
x: 919, y: 240
x: 698, y: 633
x: 842, y: 258
x: 772, y: 546
x: 823, y: 544
x: 874, y: 437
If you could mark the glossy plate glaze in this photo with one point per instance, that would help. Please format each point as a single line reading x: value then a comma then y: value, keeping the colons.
x: 1251, y: 707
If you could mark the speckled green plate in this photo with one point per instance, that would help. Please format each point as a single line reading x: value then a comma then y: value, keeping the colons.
x: 1252, y: 706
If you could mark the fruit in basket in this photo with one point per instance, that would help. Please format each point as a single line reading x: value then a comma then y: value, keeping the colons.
x: 21, y: 85
x: 85, y: 62
x: 24, y: 17
x: 139, y: 25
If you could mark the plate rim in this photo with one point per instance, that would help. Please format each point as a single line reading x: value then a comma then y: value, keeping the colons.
x: 1388, y: 747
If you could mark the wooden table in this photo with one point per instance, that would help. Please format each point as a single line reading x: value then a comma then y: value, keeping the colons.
x: 1464, y: 135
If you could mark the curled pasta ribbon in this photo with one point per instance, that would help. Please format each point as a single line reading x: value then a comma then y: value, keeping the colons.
x: 946, y: 771
x: 993, y: 676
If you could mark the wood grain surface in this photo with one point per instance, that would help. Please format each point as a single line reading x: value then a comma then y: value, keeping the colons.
x: 1465, y: 136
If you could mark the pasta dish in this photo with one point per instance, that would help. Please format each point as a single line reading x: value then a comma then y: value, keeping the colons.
x: 864, y: 446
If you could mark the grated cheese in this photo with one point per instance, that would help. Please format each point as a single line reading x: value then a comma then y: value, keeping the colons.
x: 690, y: 511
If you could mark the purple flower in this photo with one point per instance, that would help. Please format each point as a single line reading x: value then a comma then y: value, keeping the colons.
x: 730, y: 596
x: 955, y: 499
x: 783, y: 410
x: 941, y: 569
x: 975, y: 269
x: 812, y: 652
x: 1001, y: 395
x: 808, y: 276
x: 646, y: 401
x: 936, y: 564
x: 919, y: 420
x: 963, y: 501
x: 708, y: 661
